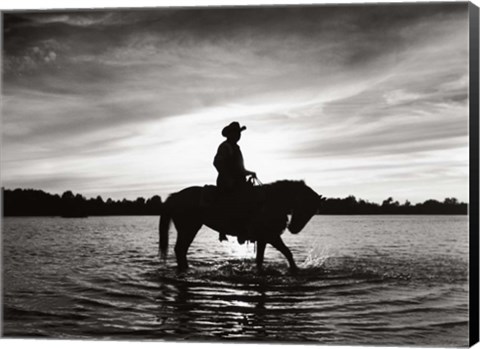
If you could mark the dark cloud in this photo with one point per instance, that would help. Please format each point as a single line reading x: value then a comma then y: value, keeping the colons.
x: 378, y: 24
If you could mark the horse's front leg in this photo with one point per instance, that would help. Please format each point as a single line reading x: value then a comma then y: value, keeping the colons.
x: 261, y: 244
x: 280, y: 245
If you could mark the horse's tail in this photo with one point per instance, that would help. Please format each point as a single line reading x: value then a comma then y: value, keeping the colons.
x: 164, y: 227
x: 163, y: 230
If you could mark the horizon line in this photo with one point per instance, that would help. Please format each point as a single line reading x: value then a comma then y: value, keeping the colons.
x: 124, y: 198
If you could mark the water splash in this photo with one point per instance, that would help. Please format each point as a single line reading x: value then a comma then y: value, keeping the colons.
x: 316, y: 257
x: 246, y: 250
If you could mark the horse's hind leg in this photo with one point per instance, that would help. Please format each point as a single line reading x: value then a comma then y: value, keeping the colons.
x: 260, y: 254
x: 185, y: 234
x: 280, y: 245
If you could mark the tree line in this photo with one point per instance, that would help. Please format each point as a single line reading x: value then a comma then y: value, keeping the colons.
x: 31, y: 202
x: 350, y: 205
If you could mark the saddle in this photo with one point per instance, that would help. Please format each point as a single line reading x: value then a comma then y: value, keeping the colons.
x: 238, y: 208
x: 212, y: 197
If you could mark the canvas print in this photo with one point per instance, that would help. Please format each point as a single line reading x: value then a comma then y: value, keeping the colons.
x: 279, y: 174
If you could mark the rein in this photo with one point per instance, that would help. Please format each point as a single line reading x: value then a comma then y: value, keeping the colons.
x: 255, y: 179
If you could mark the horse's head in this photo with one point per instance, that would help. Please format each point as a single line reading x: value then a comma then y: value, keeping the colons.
x: 306, y: 204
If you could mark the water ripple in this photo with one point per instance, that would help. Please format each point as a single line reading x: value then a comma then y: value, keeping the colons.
x: 103, y: 278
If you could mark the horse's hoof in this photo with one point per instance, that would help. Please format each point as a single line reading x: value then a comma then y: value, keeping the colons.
x: 182, y: 269
x: 294, y: 271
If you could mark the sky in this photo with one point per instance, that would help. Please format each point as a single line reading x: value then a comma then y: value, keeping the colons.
x: 370, y: 101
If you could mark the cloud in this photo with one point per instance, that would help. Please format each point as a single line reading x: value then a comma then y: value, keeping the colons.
x: 136, y: 99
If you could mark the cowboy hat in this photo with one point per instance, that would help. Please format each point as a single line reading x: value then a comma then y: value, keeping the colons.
x: 233, y: 127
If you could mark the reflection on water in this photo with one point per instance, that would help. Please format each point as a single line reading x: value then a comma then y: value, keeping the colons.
x: 363, y: 280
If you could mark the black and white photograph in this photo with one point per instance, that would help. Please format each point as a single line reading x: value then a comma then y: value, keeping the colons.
x: 281, y: 173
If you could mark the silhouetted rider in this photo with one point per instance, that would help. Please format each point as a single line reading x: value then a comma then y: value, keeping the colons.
x: 232, y: 175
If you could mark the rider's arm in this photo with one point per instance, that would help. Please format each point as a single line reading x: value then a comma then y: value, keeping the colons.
x: 243, y: 169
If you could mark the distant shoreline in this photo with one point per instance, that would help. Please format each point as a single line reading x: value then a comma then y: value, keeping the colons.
x: 37, y: 203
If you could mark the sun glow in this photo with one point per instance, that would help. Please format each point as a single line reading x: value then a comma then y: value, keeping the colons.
x: 181, y: 149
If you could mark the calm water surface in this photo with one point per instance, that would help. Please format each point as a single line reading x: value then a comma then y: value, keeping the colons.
x: 373, y: 280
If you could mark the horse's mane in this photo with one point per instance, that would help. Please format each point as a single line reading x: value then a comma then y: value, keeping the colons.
x: 287, y: 184
x: 279, y: 190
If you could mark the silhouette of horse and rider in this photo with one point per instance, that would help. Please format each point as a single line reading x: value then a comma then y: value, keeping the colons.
x: 236, y: 207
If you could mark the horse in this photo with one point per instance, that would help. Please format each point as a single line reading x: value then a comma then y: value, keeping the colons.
x: 262, y: 221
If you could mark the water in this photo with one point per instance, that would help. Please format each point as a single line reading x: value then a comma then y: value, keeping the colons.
x: 372, y: 280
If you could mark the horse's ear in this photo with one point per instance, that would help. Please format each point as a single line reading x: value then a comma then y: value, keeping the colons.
x: 321, y: 199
